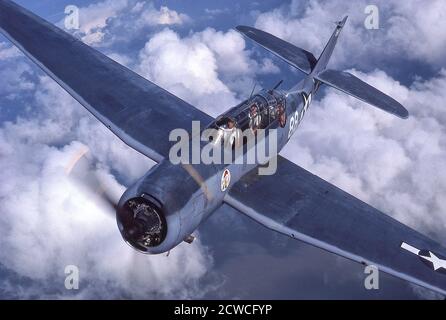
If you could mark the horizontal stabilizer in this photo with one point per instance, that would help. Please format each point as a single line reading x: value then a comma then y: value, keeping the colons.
x: 357, y: 88
x: 298, y: 58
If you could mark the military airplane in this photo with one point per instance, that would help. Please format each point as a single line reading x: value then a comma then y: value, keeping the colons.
x: 165, y: 206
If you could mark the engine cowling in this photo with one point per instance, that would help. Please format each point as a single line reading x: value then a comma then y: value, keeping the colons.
x: 165, y: 207
x: 142, y: 223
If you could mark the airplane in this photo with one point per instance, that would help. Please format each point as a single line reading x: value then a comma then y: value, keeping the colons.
x: 165, y: 206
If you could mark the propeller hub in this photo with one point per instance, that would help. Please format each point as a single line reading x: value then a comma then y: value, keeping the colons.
x: 142, y: 223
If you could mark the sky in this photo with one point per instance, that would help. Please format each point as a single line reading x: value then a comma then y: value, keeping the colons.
x: 48, y: 220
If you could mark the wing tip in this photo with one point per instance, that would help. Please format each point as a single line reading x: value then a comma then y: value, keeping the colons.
x: 341, y: 23
x: 404, y: 114
x: 400, y: 111
x: 244, y: 29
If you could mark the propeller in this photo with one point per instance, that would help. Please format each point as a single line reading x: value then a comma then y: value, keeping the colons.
x: 99, y: 184
x: 94, y: 180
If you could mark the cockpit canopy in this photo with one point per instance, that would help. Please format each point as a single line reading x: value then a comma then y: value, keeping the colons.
x: 263, y: 111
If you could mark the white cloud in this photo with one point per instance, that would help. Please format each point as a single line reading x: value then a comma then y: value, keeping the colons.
x: 194, y: 67
x: 405, y: 30
x: 49, y: 221
x: 93, y: 18
x: 229, y: 49
x: 96, y: 15
x: 8, y: 51
x: 128, y: 16
x: 186, y: 67
x: 164, y: 16
x: 15, y: 78
x: 209, y: 69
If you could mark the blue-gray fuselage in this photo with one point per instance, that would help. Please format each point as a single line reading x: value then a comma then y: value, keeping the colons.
x: 187, y: 194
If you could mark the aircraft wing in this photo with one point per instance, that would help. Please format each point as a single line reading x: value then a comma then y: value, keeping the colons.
x: 297, y: 203
x: 136, y: 110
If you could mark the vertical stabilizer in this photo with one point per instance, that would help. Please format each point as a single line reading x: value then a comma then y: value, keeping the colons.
x: 328, y: 50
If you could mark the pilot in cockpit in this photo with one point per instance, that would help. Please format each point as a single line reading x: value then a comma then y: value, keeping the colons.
x: 227, y: 133
x: 254, y: 118
x: 282, y: 115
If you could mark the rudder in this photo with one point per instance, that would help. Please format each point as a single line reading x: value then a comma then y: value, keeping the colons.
x: 328, y: 50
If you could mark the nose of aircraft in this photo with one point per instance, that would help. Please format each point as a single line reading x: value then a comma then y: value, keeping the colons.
x: 142, y: 223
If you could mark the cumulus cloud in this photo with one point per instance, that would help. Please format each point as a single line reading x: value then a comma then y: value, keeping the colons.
x: 104, y: 22
x: 49, y: 220
x: 16, y: 77
x: 185, y: 66
x: 8, y: 51
x: 205, y: 68
x: 93, y: 18
x: 164, y: 16
x: 405, y: 30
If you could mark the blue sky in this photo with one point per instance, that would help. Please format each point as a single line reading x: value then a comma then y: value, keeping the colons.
x: 190, y: 48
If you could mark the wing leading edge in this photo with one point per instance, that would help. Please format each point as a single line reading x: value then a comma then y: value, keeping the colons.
x: 297, y: 203
x: 136, y: 110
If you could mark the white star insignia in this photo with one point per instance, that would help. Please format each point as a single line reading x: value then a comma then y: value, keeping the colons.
x: 437, y: 263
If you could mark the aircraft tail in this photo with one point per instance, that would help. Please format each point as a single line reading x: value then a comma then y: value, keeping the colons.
x: 328, y: 50
x: 351, y: 85
x: 299, y: 58
x: 306, y: 62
